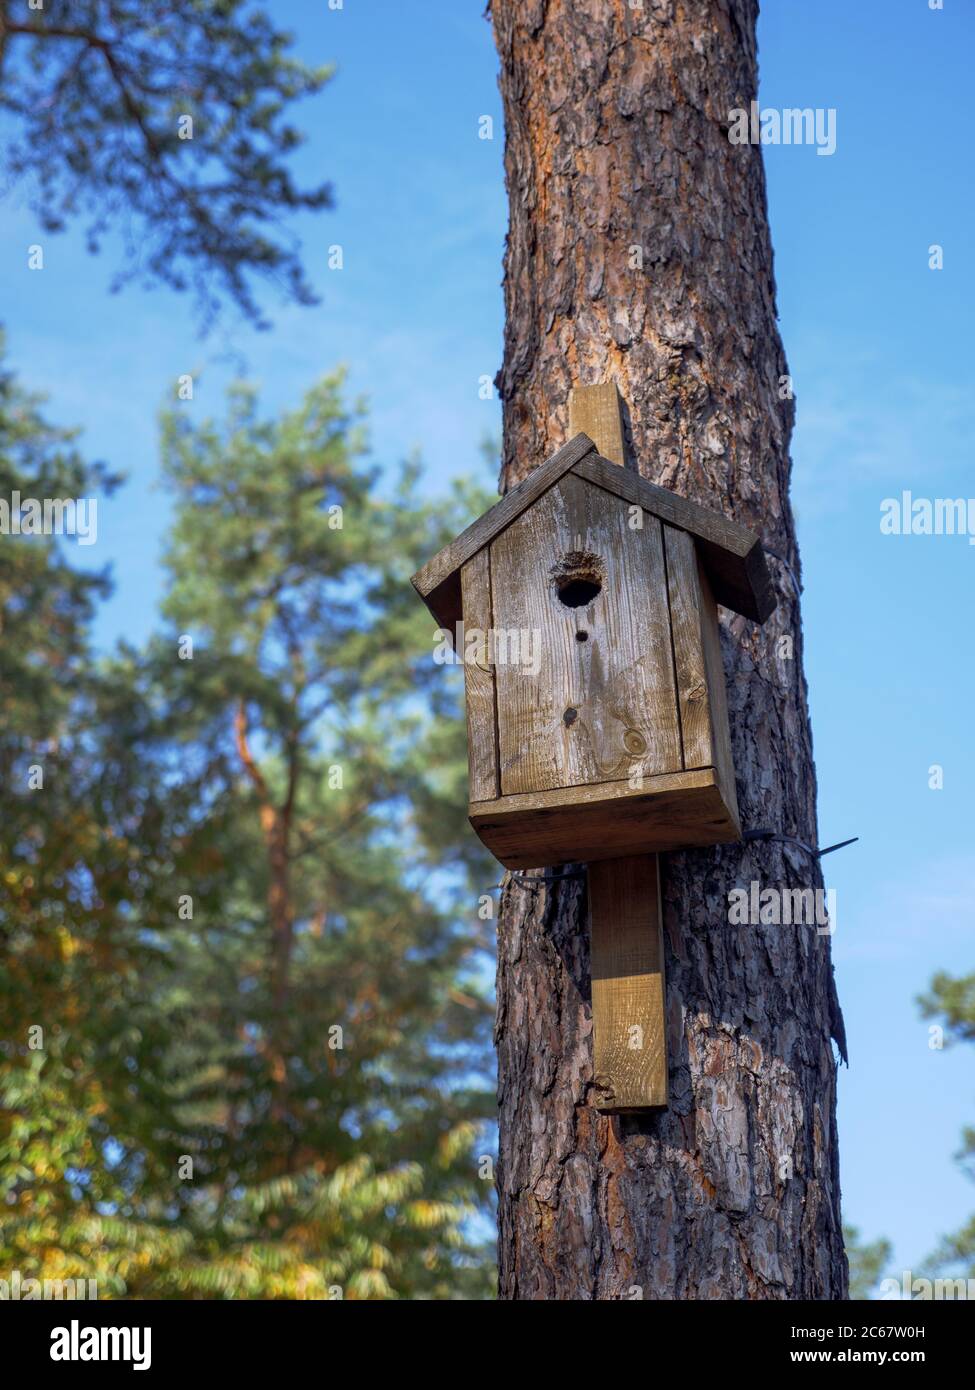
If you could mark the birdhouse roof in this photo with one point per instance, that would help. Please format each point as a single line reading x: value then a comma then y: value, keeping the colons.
x: 732, y: 555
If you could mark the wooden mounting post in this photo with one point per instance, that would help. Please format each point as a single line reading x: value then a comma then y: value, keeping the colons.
x: 629, y: 1016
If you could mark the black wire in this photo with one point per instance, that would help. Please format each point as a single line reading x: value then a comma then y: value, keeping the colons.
x: 765, y: 834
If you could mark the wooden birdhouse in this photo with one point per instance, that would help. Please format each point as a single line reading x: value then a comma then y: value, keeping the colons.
x: 585, y: 607
x: 596, y: 706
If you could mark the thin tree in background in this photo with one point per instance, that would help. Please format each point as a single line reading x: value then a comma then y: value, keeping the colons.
x: 639, y: 251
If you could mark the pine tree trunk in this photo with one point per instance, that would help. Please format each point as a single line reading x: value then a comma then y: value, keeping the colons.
x: 617, y: 154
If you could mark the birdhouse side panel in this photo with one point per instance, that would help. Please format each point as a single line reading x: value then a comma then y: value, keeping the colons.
x: 587, y: 594
x: 724, y: 765
x: 687, y: 618
x: 479, y: 679
x: 701, y: 693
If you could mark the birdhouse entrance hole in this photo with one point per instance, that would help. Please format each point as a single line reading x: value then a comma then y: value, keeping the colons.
x: 578, y: 579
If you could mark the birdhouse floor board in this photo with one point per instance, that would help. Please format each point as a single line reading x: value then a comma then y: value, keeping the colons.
x: 606, y: 821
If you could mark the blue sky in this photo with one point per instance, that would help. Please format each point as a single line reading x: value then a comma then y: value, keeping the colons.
x: 879, y: 349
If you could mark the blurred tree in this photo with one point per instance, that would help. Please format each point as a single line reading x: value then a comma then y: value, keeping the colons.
x: 166, y: 121
x: 952, y: 1000
x: 299, y: 1035
x: 69, y: 958
x: 334, y: 1036
x: 867, y: 1262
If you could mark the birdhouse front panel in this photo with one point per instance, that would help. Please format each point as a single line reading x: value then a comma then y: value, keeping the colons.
x: 592, y: 696
x: 596, y: 710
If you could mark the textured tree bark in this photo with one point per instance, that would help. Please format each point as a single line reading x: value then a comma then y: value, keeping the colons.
x: 639, y: 250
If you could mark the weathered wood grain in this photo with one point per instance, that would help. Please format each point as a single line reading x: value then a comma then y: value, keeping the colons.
x: 629, y: 1016
x: 602, y: 703
x: 479, y: 680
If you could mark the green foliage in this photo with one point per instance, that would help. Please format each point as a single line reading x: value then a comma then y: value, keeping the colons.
x: 67, y: 961
x: 226, y: 908
x: 867, y: 1261
x: 95, y: 92
x: 952, y: 999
